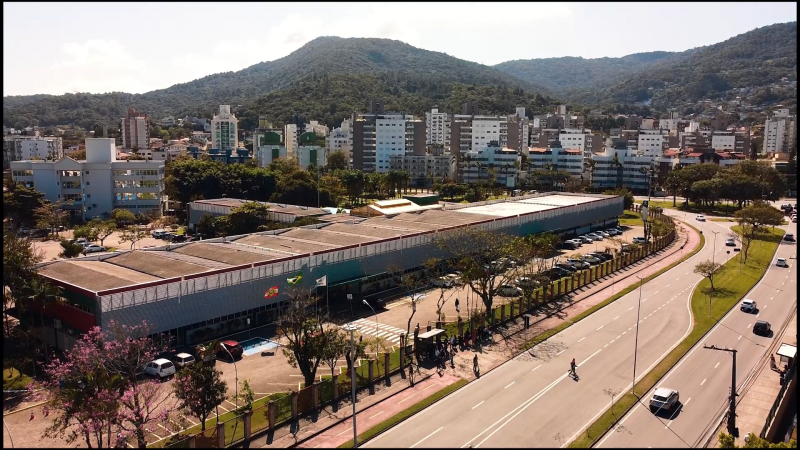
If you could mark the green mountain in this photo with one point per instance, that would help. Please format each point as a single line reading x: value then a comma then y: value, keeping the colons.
x: 755, y: 60
x: 569, y: 72
x: 357, y: 59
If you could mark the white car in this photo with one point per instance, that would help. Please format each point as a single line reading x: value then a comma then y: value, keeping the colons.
x: 700, y: 218
x: 730, y: 242
x: 442, y: 282
x: 455, y: 280
x: 664, y: 399
x: 160, y: 368
x: 578, y: 264
x: 639, y: 240
x: 507, y: 290
x: 604, y: 234
x: 93, y: 248
x: 184, y: 360
x: 591, y: 259
x: 528, y: 282
x: 586, y: 239
x: 748, y: 305
x: 781, y: 262
x: 595, y: 236
x: 577, y: 242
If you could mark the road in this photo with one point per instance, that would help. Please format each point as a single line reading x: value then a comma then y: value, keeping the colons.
x: 703, y: 377
x: 531, y: 401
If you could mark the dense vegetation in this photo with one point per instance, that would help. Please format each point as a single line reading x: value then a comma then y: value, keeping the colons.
x: 569, y: 72
x: 753, y: 59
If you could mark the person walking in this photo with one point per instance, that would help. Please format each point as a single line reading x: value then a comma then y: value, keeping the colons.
x: 457, y: 310
x: 572, y: 367
x: 475, y: 367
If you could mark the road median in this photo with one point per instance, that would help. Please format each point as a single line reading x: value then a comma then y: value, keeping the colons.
x: 736, y: 282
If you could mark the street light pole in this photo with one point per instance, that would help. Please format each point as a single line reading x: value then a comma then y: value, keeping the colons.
x: 636, y: 341
x: 351, y: 329
x: 376, y: 325
x: 236, y: 373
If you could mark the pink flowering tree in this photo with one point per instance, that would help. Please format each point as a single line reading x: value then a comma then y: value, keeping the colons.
x: 199, y: 390
x: 95, y: 389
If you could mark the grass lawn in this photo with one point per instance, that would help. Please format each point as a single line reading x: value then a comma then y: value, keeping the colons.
x: 630, y: 219
x: 14, y: 380
x: 405, y: 414
x: 732, y: 286
x: 720, y: 209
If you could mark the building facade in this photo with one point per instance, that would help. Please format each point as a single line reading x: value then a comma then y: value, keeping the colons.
x: 135, y: 130
x: 780, y: 132
x: 224, y: 129
x: 96, y: 186
x: 23, y: 148
x: 424, y: 169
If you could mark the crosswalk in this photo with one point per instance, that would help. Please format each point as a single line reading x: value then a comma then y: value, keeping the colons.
x: 388, y: 332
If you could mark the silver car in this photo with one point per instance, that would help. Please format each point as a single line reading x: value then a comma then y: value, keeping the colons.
x: 595, y: 236
x: 603, y: 233
x: 586, y: 239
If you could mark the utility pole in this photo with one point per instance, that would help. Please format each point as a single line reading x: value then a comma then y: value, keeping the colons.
x: 732, y: 408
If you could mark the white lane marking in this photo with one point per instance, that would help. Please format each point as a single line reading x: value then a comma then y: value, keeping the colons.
x: 426, y: 437
x: 601, y: 326
x: 656, y: 292
x: 771, y: 298
x: 687, y: 401
x: 623, y: 332
x: 629, y: 329
x: 748, y: 325
x: 509, y: 385
x: 619, y: 336
x: 630, y: 308
x: 536, y: 367
x: 615, y: 318
x: 345, y: 431
x: 740, y: 336
x: 612, y: 341
x: 716, y: 365
x: 581, y: 338
x: 562, y: 351
x: 687, y: 273
x: 765, y: 306
x: 479, y: 404
x: 407, y: 398
x: 605, y: 346
x: 668, y: 285
x: 703, y: 382
x: 433, y: 385
x: 376, y: 415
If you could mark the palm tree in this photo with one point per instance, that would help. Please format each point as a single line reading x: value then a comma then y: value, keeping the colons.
x: 592, y: 164
x: 479, y: 165
x: 44, y: 295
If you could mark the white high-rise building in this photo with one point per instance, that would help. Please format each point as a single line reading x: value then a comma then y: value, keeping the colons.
x: 224, y: 131
x: 340, y: 139
x: 486, y: 129
x: 98, y: 185
x: 780, y: 132
x: 438, y: 127
x: 290, y: 139
x: 652, y: 142
x: 21, y: 148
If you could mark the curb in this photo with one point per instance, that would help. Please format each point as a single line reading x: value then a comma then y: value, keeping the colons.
x: 342, y: 420
x: 24, y: 409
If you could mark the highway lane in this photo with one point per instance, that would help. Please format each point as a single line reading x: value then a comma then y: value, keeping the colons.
x: 531, y: 401
x: 703, y: 377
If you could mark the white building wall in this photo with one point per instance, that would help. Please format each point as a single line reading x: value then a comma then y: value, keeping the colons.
x: 224, y: 132
x: 437, y: 127
x: 484, y: 130
x: 390, y: 139
x: 725, y: 141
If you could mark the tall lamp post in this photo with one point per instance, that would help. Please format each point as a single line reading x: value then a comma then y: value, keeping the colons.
x: 710, y: 292
x: 351, y: 328
x: 376, y: 324
x: 236, y: 373
x: 636, y: 341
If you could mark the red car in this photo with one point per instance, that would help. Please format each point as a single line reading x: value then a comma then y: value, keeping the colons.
x: 233, y: 350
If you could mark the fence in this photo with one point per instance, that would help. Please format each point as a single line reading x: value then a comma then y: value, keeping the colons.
x: 787, y: 380
x: 278, y: 409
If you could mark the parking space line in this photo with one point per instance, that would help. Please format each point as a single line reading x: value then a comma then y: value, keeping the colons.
x: 630, y: 308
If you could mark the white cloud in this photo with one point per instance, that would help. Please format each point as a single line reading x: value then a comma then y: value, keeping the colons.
x: 100, y: 66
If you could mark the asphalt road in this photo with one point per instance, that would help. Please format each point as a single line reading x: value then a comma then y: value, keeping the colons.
x: 703, y: 377
x: 531, y: 401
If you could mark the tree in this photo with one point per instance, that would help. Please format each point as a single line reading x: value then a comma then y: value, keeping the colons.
x: 132, y: 234
x: 626, y: 194
x: 205, y: 226
x: 753, y: 441
x: 337, y: 346
x: 306, y: 331
x: 752, y: 221
x: 50, y: 217
x: 122, y: 217
x: 19, y: 266
x: 709, y: 269
x: 199, y: 390
x: 18, y: 203
x: 86, y: 232
x: 102, y: 228
x: 337, y: 161
x: 246, y: 218
x: 70, y: 249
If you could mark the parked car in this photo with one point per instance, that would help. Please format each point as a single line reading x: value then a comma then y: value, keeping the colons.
x: 158, y: 233
x: 580, y: 264
x: 748, y: 305
x: 182, y: 238
x: 557, y: 272
x: 184, y: 360
x: 93, y: 248
x: 577, y: 241
x: 508, y: 290
x: 788, y: 237
x: 595, y: 236
x: 730, y: 242
x: 586, y: 239
x: 569, y: 244
x: 592, y: 259
x: 526, y: 282
x: 442, y: 282
x: 781, y: 262
x: 664, y: 399
x: 625, y: 248
x: 455, y: 280
x: 602, y: 233
x: 762, y: 327
x: 160, y: 368
x: 700, y: 218
x: 568, y: 267
x: 233, y: 349
x: 602, y: 256
x: 639, y: 240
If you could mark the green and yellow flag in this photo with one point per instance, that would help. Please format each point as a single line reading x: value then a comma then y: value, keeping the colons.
x: 294, y: 280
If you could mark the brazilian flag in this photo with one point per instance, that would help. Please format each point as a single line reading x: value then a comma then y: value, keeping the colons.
x: 294, y: 280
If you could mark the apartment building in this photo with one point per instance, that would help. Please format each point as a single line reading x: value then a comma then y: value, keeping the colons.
x: 437, y: 126
x: 734, y: 141
x: 96, y: 186
x: 653, y: 142
x: 340, y: 139
x: 503, y: 161
x: 569, y: 160
x: 424, y: 169
x: 309, y: 153
x: 379, y: 135
x: 619, y: 166
x: 135, y: 128
x: 224, y: 131
x: 267, y: 145
x: 317, y: 128
x: 290, y: 139
x: 780, y: 132
x: 21, y: 148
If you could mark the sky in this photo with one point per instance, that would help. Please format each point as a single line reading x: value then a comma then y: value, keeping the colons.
x: 57, y: 48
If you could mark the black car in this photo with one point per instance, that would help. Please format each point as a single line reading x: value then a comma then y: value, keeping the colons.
x: 182, y: 238
x: 788, y: 237
x: 762, y: 327
x: 568, y: 267
x: 603, y: 256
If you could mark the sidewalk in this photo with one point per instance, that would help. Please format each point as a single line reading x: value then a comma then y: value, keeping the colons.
x: 326, y: 432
